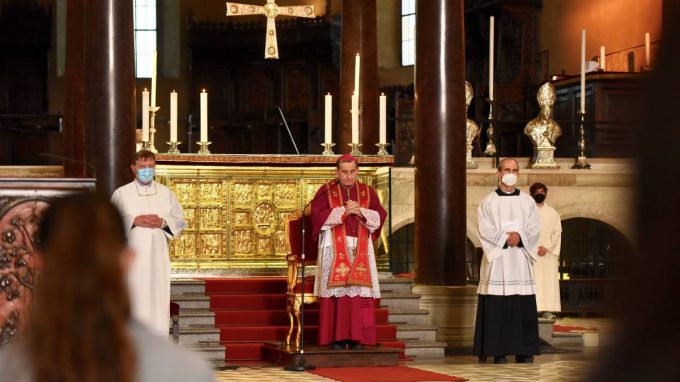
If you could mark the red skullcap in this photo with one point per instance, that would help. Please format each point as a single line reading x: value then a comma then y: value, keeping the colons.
x: 348, y: 158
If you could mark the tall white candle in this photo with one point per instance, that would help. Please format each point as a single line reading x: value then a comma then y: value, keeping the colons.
x: 173, y: 116
x: 154, y: 63
x: 145, y: 115
x: 602, y: 59
x: 583, y: 70
x: 647, y: 46
x: 357, y: 66
x: 355, y: 118
x: 204, y: 116
x: 491, y: 43
x: 328, y: 118
x: 383, y: 118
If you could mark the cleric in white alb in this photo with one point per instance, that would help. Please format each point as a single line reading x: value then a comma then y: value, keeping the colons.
x: 153, y: 215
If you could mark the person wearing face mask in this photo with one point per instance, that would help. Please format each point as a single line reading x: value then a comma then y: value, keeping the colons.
x: 509, y: 227
x: 152, y: 216
x: 549, y: 243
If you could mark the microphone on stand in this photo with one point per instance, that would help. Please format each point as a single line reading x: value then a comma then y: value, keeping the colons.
x: 288, y: 129
x: 302, y: 364
x: 88, y: 164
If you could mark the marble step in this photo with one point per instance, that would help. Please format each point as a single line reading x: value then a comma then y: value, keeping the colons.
x: 400, y: 300
x: 425, y: 349
x: 196, y: 317
x: 416, y: 332
x: 194, y: 335
x: 545, y: 329
x: 191, y: 301
x: 567, y: 339
x: 210, y: 351
x: 395, y: 285
x: 180, y: 287
x: 408, y: 316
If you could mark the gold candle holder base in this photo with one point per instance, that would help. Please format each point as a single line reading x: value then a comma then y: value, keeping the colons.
x: 490, y: 149
x: 581, y: 160
x: 152, y: 129
x: 204, y: 147
x: 356, y: 148
x: 328, y: 149
x: 382, y: 149
x: 147, y: 145
x: 173, y: 147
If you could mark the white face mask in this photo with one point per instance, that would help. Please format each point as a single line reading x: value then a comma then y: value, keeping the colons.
x: 509, y: 179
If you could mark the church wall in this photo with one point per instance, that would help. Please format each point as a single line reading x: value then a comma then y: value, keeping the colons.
x: 603, y: 193
x: 619, y: 25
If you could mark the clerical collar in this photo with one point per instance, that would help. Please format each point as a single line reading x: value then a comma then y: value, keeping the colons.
x: 500, y: 192
x: 145, y: 189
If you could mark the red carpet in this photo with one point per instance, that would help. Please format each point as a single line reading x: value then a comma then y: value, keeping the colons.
x: 382, y: 374
x: 251, y: 311
x: 569, y: 328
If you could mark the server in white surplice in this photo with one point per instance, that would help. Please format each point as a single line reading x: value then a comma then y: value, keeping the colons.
x: 509, y: 226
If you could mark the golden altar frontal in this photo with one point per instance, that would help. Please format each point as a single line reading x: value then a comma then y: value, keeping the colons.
x: 236, y: 206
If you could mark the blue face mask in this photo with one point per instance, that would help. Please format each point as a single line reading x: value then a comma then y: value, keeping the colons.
x: 145, y: 175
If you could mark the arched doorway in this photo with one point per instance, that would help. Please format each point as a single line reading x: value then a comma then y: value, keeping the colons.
x: 593, y: 260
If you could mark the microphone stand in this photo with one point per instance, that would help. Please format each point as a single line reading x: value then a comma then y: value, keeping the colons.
x: 302, y: 364
x: 289, y: 133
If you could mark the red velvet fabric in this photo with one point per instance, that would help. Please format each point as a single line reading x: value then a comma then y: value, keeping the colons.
x: 321, y: 209
x: 347, y: 318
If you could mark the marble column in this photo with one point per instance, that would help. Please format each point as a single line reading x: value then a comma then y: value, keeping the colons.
x: 359, y: 35
x: 110, y: 91
x: 440, y: 210
x: 74, y: 92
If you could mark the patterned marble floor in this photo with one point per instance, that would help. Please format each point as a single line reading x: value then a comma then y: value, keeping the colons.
x: 547, y: 368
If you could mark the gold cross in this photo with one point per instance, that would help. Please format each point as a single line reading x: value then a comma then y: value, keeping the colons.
x: 270, y: 10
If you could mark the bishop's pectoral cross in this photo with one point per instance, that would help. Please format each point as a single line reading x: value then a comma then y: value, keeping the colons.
x: 270, y: 10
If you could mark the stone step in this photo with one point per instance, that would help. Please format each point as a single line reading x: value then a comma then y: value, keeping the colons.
x: 196, y: 334
x: 400, y: 300
x: 416, y: 332
x: 208, y: 350
x: 566, y: 339
x: 180, y: 287
x: 196, y: 317
x: 395, y: 285
x: 545, y: 329
x: 191, y: 301
x: 425, y: 349
x: 408, y: 316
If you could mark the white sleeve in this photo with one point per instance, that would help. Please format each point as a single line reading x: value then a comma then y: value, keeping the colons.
x: 372, y: 219
x: 175, y: 218
x: 334, y: 218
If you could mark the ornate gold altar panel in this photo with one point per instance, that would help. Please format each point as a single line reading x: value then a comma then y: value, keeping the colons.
x: 235, y: 215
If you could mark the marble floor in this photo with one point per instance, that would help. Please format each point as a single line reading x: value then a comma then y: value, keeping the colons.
x: 562, y: 367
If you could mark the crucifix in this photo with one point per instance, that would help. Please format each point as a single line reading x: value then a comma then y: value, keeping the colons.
x: 270, y: 10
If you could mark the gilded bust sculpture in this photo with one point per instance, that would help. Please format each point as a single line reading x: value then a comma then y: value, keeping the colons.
x: 543, y: 130
x: 471, y: 128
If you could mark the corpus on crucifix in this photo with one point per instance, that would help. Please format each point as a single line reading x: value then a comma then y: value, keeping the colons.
x: 270, y: 10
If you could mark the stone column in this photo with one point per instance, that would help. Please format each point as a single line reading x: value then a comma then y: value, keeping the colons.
x: 74, y: 93
x: 440, y: 213
x: 110, y: 91
x: 359, y: 35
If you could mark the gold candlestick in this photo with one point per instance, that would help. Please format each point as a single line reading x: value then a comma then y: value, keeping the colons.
x: 152, y: 128
x: 328, y: 148
x: 173, y: 147
x: 490, y: 149
x: 382, y: 149
x: 204, y: 147
x: 581, y: 160
x: 356, y: 148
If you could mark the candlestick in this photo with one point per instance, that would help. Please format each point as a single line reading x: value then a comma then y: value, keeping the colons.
x: 490, y: 149
x: 173, y: 116
x: 356, y: 148
x: 174, y: 147
x: 145, y: 115
x: 328, y: 148
x: 491, y: 44
x: 328, y: 118
x: 382, y: 149
x: 602, y: 59
x: 204, y: 147
x: 355, y: 118
x: 647, y: 48
x: 383, y: 118
x: 357, y: 66
x: 154, y: 64
x: 152, y: 129
x: 581, y: 160
x: 204, y: 116
x: 583, y: 70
